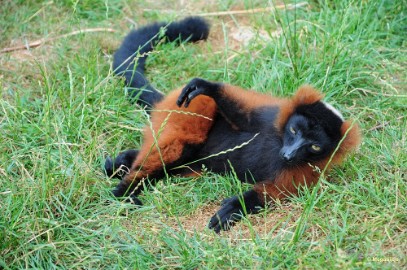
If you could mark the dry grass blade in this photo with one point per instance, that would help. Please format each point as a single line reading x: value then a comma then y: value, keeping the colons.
x: 41, y: 41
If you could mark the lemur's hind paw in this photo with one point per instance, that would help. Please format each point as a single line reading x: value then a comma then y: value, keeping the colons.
x: 121, y: 165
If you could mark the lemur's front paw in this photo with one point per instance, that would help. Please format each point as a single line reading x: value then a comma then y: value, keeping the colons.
x: 193, y: 89
x: 230, y: 212
x: 124, y: 192
x: 233, y: 209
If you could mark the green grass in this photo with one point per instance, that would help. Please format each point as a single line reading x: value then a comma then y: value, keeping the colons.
x: 62, y: 112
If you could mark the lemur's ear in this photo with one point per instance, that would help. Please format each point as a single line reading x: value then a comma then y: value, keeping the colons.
x: 306, y: 94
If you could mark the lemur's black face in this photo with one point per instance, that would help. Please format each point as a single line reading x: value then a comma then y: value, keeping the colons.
x: 305, y: 140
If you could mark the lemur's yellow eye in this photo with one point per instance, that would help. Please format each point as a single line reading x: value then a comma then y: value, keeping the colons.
x: 292, y: 130
x: 315, y: 147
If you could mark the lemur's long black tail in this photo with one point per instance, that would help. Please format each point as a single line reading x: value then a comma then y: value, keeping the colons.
x: 129, y: 60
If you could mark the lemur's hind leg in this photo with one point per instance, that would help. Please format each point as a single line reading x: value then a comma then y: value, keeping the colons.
x: 121, y: 165
x: 168, y: 142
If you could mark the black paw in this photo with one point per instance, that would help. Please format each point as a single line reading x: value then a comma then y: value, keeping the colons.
x: 133, y: 200
x: 230, y: 212
x: 121, y: 191
x: 195, y: 88
x: 233, y: 209
x: 109, y: 166
x: 121, y: 165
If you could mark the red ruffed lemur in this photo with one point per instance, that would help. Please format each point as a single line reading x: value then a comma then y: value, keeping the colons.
x: 277, y: 144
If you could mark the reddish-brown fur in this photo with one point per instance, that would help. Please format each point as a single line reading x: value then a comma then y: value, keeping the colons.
x: 173, y: 128
x: 250, y: 100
